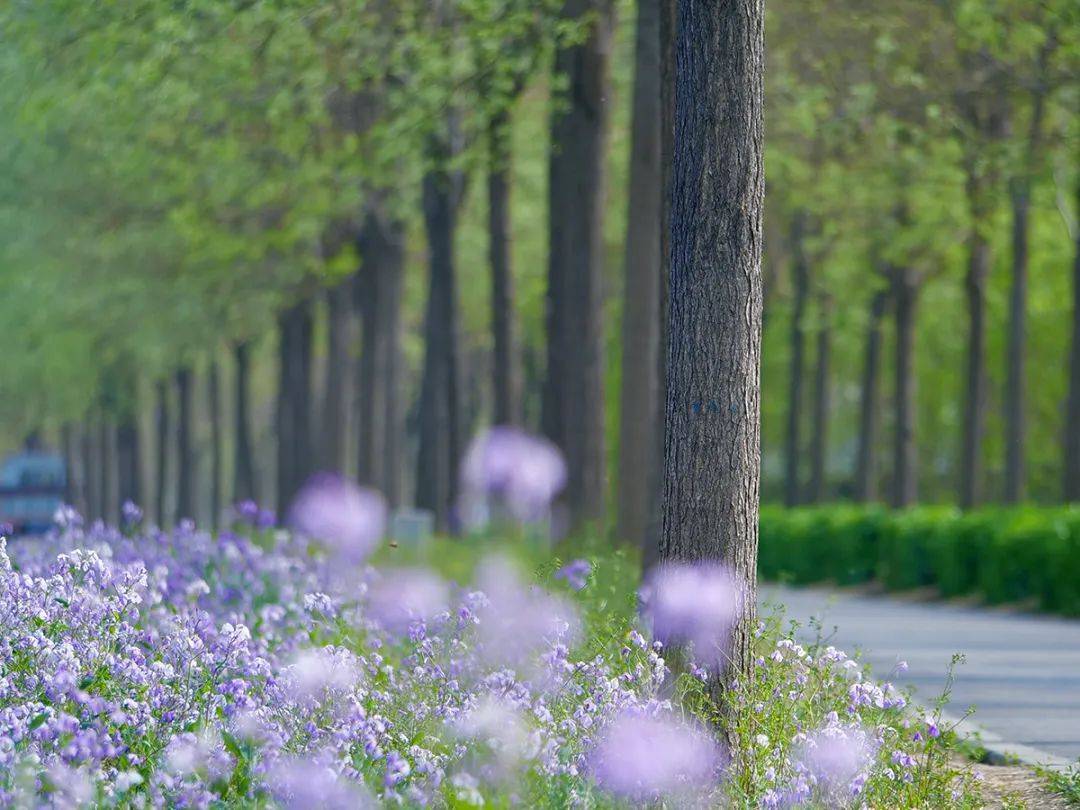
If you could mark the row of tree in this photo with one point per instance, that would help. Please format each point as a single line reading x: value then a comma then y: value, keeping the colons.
x: 340, y: 211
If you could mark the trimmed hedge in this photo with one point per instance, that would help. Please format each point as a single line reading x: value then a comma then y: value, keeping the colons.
x: 1000, y: 554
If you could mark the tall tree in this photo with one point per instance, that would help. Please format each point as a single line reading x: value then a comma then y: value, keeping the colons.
x: 639, y: 400
x: 1016, y: 352
x: 573, y: 400
x: 337, y: 397
x: 866, y: 469
x: 378, y: 291
x: 668, y: 26
x: 213, y: 404
x: 161, y: 451
x: 1071, y: 489
x: 244, y: 487
x: 800, y: 271
x: 295, y: 326
x: 819, y: 439
x: 712, y: 453
x: 441, y: 395
x: 506, y: 368
x: 905, y: 293
x: 185, y: 445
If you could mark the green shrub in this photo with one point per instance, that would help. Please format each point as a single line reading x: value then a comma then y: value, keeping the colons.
x: 1003, y: 555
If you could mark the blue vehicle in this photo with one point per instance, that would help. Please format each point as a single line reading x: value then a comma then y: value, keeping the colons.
x: 32, y: 487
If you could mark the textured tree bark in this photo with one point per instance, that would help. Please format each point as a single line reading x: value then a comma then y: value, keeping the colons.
x: 161, y: 453
x: 185, y: 450
x: 712, y: 453
x: 506, y: 369
x: 866, y: 469
x: 440, y: 395
x: 574, y: 391
x: 640, y: 402
x: 337, y: 405
x: 793, y: 445
x: 905, y: 452
x: 294, y: 402
x: 819, y: 441
x: 1072, y: 405
x: 244, y: 487
x: 974, y: 412
x: 1016, y: 359
x: 213, y: 392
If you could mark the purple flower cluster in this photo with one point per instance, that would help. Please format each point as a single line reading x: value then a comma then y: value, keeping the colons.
x: 278, y: 668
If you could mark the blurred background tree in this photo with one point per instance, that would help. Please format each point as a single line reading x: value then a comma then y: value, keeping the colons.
x: 244, y: 241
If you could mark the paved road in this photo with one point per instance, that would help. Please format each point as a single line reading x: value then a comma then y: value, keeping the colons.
x: 1021, y: 673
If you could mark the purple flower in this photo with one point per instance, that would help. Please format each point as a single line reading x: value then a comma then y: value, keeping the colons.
x: 640, y: 757
x: 518, y: 470
x: 695, y: 604
x: 348, y: 518
x: 834, y: 755
x: 400, y: 597
x: 299, y: 784
x: 131, y: 514
x: 575, y: 573
x: 518, y: 621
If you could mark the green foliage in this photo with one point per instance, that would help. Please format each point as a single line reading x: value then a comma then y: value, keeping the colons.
x: 1028, y: 555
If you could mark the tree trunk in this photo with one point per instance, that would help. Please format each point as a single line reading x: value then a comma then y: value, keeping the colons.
x: 337, y: 399
x: 801, y: 277
x: 129, y: 458
x: 869, y: 416
x: 713, y: 415
x: 214, y: 406
x: 185, y: 450
x: 819, y: 442
x: 574, y: 401
x: 440, y: 396
x: 91, y: 468
x: 1072, y: 405
x: 905, y: 455
x: 378, y: 290
x: 1016, y: 368
x: 974, y: 413
x: 668, y: 25
x: 506, y: 369
x: 244, y: 488
x: 294, y: 402
x: 109, y: 504
x: 74, y: 491
x: 161, y: 455
x: 640, y: 402
x: 371, y: 393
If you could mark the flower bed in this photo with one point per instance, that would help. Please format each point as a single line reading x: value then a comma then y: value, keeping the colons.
x: 255, y: 669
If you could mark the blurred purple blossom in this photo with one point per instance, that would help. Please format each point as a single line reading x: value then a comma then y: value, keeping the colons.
x: 695, y: 604
x: 575, y: 573
x: 131, y: 514
x: 399, y: 597
x: 518, y: 621
x: 350, y: 519
x: 835, y: 755
x: 514, y: 469
x: 640, y: 757
x: 300, y: 784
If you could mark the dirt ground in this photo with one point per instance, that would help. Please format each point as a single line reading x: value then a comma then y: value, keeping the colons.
x: 1015, y: 786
